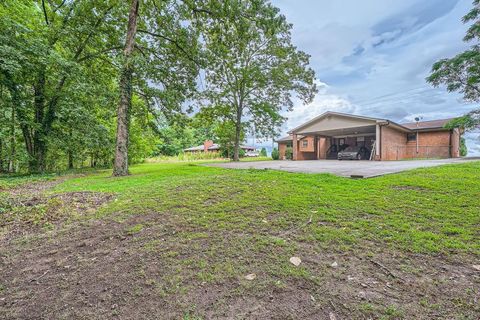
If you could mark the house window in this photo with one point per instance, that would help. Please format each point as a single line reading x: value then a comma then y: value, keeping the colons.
x: 411, y: 137
x: 341, y: 141
x: 305, y: 143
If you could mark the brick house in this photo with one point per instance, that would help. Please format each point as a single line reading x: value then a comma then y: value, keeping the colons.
x: 323, y: 136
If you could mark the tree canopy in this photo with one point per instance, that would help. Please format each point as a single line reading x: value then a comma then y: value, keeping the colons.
x: 73, y: 76
x: 462, y: 72
x: 253, y: 70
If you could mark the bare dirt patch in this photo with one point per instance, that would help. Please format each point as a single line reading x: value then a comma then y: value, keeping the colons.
x: 158, y: 266
x: 30, y: 207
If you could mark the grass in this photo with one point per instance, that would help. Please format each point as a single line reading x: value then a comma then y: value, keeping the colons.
x: 425, y: 210
x: 208, y: 226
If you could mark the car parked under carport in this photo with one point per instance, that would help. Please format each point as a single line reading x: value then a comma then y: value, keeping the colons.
x: 354, y: 153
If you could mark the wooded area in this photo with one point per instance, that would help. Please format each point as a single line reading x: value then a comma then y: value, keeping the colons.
x: 81, y: 79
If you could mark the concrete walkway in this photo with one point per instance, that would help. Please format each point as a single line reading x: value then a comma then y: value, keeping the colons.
x: 345, y: 168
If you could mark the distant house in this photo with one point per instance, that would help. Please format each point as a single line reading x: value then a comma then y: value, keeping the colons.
x: 324, y: 136
x: 209, y: 146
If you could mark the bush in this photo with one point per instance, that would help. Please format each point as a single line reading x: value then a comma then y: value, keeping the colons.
x: 229, y: 152
x: 263, y: 152
x: 275, y: 154
x: 187, y: 156
x: 463, y: 147
x: 289, y: 153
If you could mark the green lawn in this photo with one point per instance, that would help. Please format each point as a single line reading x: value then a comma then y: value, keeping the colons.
x: 425, y: 210
x: 190, y: 234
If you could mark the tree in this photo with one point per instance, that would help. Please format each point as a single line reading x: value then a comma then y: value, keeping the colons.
x: 462, y: 72
x: 275, y: 154
x: 47, y: 46
x: 263, y: 152
x: 253, y: 69
x: 226, y: 135
x: 60, y: 65
x: 161, y: 46
x: 120, y: 167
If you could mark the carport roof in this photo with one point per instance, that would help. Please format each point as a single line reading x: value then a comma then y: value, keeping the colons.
x: 368, y: 121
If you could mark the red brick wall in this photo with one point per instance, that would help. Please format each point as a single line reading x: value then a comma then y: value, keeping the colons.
x: 310, y: 147
x: 308, y: 152
x: 282, y: 147
x: 433, y: 144
x: 434, y: 138
x: 391, y: 140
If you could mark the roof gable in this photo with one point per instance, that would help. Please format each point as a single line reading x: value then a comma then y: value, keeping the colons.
x: 333, y: 121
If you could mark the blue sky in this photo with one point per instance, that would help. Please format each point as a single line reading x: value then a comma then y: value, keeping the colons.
x: 371, y: 57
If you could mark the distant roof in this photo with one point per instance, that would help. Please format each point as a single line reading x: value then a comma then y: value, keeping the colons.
x: 289, y: 138
x: 215, y: 146
x: 432, y: 124
x: 286, y: 138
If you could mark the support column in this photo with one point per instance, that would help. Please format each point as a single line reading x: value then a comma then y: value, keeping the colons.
x: 295, y: 147
x: 377, y: 142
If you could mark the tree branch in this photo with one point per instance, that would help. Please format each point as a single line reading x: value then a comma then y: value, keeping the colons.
x: 98, y: 53
x: 157, y: 35
x: 45, y: 12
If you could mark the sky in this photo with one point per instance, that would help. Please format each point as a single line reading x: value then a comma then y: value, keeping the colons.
x: 371, y: 57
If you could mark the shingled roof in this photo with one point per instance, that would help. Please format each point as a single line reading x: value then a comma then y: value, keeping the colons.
x: 425, y: 125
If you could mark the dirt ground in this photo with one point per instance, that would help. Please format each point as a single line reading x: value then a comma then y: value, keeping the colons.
x: 110, y: 269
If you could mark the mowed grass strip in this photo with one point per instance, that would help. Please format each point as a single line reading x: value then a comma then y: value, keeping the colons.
x: 431, y: 210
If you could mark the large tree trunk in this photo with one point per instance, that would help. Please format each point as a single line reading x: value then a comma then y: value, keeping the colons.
x: 238, y: 130
x: 70, y: 160
x: 37, y: 159
x: 123, y: 111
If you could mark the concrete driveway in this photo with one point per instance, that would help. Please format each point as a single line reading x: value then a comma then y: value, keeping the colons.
x: 346, y: 168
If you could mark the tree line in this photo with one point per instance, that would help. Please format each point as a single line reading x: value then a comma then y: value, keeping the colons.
x: 105, y: 82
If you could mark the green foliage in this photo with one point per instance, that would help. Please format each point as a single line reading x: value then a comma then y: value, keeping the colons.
x: 289, y: 153
x: 187, y: 156
x: 263, y: 152
x: 229, y: 152
x: 275, y: 154
x: 463, y: 147
x: 252, y: 68
x: 59, y: 80
x: 391, y: 210
x: 225, y: 133
x: 462, y: 72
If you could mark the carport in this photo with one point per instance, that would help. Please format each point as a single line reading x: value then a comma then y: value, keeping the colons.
x: 324, y: 136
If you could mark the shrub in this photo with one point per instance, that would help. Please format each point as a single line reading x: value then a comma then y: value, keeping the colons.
x: 229, y: 152
x: 275, y: 154
x: 263, y: 152
x: 289, y: 153
x: 187, y: 156
x: 463, y: 147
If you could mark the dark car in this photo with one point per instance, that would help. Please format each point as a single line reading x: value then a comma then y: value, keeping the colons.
x: 354, y: 153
